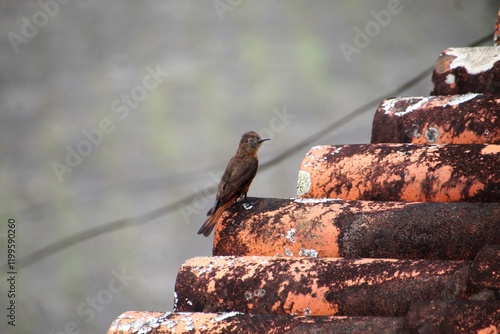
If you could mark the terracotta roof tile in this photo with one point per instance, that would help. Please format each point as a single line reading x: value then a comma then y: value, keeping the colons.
x: 467, y: 70
x: 402, y: 172
x: 319, y: 287
x: 353, y: 229
x: 451, y: 119
x: 234, y: 322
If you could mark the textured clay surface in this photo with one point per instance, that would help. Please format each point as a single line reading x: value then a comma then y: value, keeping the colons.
x: 319, y: 287
x: 455, y: 119
x: 356, y: 229
x: 403, y: 172
x: 235, y: 322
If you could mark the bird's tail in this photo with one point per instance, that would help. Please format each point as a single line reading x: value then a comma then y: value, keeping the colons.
x: 209, y: 224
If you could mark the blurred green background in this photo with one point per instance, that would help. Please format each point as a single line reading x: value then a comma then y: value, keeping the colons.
x: 171, y: 86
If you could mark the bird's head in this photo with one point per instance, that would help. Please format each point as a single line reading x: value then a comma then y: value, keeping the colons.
x: 251, y: 141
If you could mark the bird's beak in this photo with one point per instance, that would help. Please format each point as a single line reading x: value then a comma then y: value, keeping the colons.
x: 260, y: 141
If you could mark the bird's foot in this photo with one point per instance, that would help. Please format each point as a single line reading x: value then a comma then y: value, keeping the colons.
x: 247, y: 204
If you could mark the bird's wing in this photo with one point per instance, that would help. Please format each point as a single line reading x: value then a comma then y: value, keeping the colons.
x: 220, y: 189
x: 236, y: 180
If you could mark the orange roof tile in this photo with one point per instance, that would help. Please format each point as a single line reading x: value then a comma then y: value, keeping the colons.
x: 450, y: 119
x: 402, y: 172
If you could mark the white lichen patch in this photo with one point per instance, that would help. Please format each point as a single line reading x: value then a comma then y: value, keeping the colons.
x: 170, y: 324
x: 260, y: 260
x: 144, y: 326
x: 230, y: 262
x: 474, y: 59
x: 124, y: 327
x: 460, y: 99
x: 414, y: 132
x: 450, y: 79
x: 247, y: 206
x: 226, y: 315
x: 314, y: 200
x: 412, y: 107
x: 288, y: 252
x: 117, y: 323
x: 317, y: 147
x: 303, y: 183
x: 188, y: 322
x: 388, y: 105
x: 431, y: 134
x: 203, y: 269
x: 176, y: 300
x: 248, y: 295
x: 259, y: 293
x: 308, y: 252
x: 290, y: 235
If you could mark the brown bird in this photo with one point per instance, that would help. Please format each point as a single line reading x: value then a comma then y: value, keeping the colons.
x: 236, y: 180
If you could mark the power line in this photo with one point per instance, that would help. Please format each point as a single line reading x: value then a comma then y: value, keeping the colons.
x: 171, y: 207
